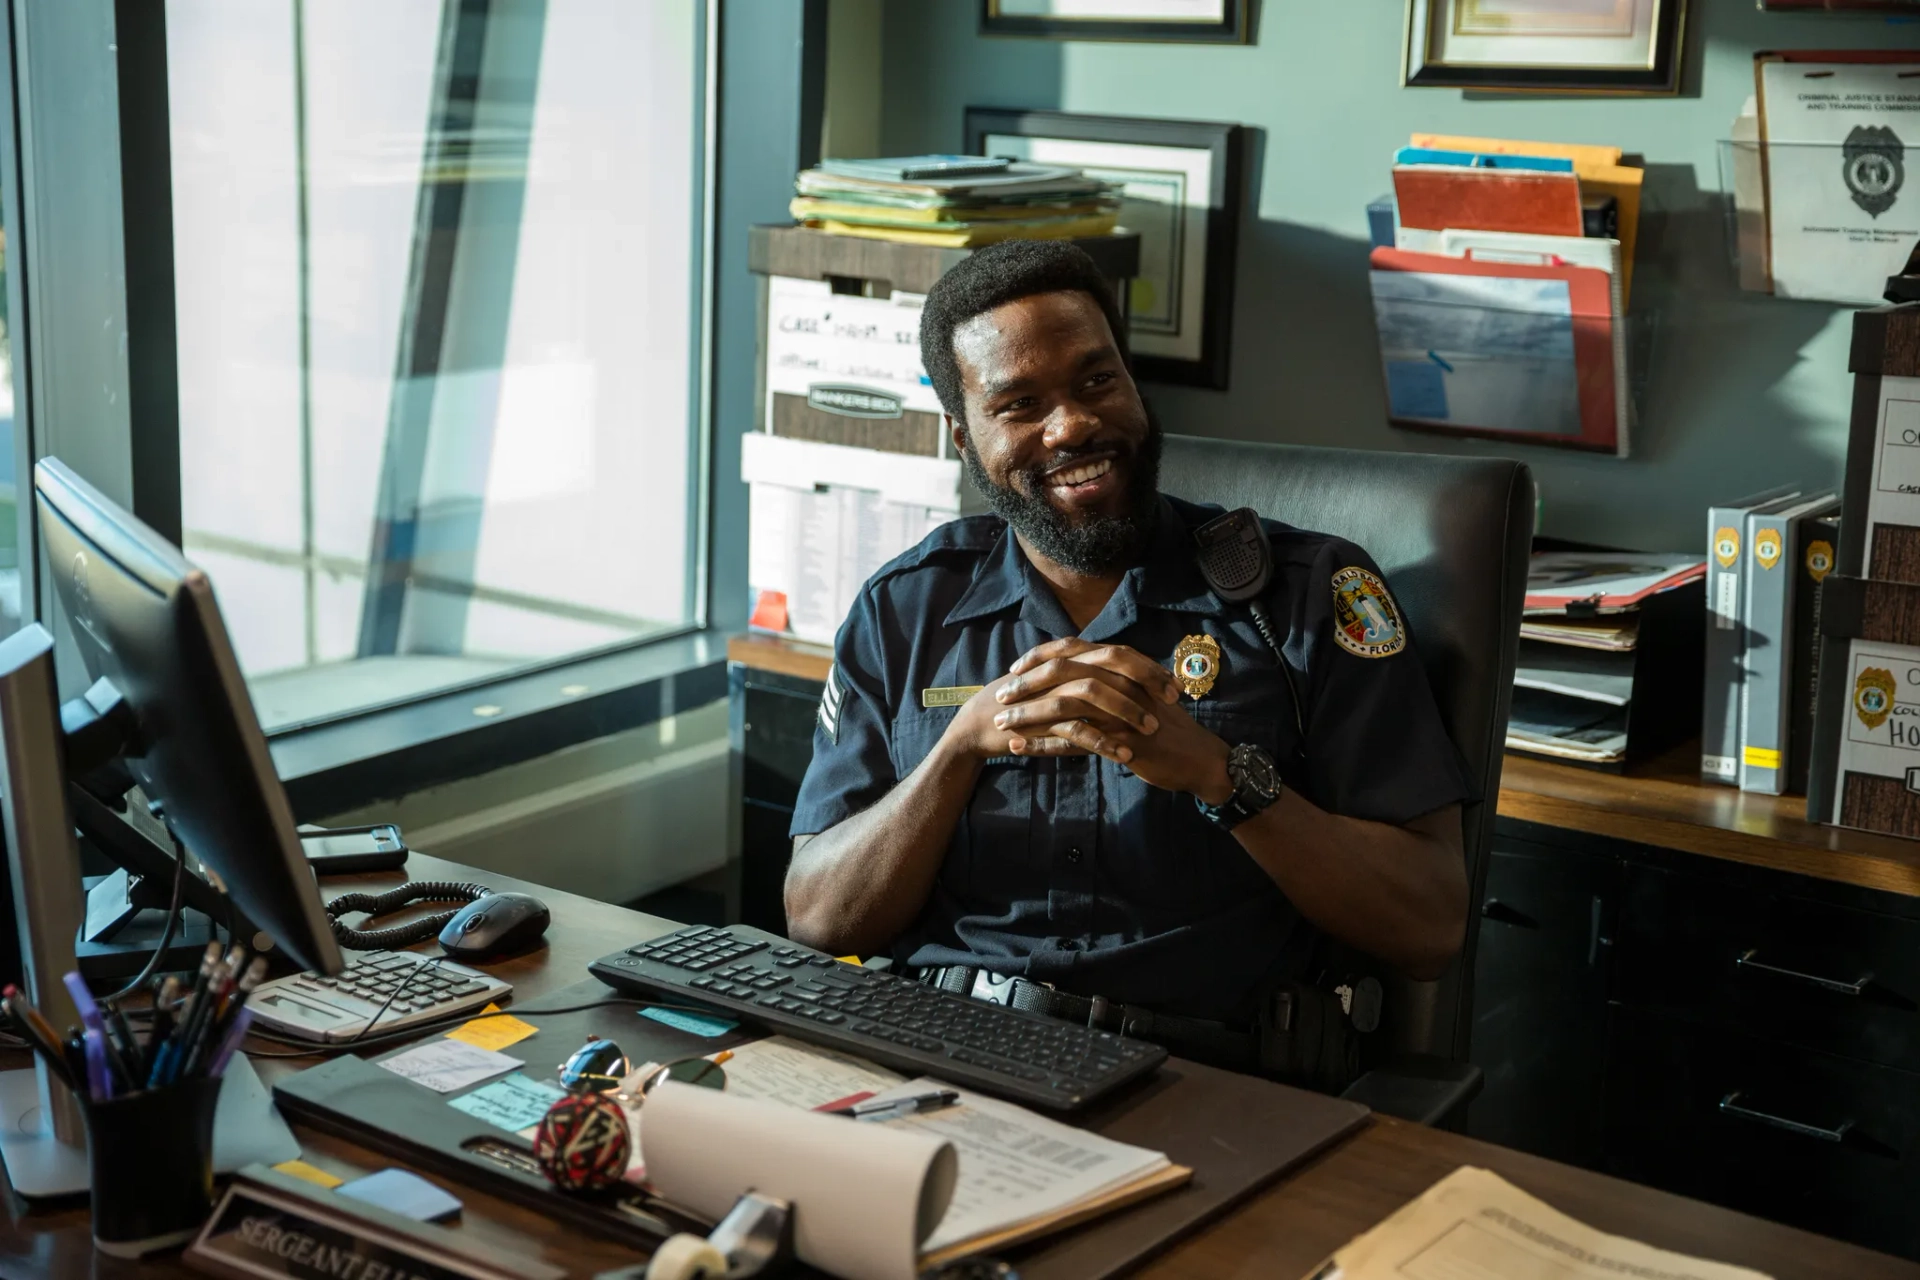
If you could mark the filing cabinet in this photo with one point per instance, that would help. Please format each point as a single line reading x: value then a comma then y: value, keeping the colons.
x: 1735, y: 1033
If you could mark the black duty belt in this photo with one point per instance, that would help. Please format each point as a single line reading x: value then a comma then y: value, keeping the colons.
x: 1217, y: 1044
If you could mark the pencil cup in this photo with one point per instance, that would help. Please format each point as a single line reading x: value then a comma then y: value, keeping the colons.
x: 151, y: 1155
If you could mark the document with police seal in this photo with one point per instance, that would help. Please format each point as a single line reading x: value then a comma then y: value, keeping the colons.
x: 1475, y: 1225
x: 1840, y: 141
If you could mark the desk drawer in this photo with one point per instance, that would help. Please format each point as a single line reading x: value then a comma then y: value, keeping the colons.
x: 1780, y: 968
x: 1801, y: 1137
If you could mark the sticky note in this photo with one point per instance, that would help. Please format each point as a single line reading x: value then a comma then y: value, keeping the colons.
x: 447, y: 1065
x: 494, y: 1033
x: 698, y: 1024
x: 407, y: 1194
x: 512, y: 1103
x: 306, y: 1172
x: 1417, y: 389
x: 852, y: 960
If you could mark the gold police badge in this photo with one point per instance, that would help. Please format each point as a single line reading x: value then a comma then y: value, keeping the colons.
x: 1819, y: 559
x: 1196, y: 664
x: 1726, y: 545
x: 1766, y: 547
x: 1873, y: 696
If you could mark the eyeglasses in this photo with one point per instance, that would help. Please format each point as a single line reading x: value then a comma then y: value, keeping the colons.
x: 601, y: 1066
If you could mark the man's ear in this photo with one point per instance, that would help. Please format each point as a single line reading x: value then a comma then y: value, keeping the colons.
x: 958, y: 433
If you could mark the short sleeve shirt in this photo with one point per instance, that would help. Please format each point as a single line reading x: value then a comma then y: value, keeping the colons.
x: 1073, y: 870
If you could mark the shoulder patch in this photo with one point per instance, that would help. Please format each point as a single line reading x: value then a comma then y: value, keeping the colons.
x: 1366, y: 622
x: 833, y: 696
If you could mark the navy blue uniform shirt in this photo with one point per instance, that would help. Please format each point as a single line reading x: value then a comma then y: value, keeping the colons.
x: 1071, y: 870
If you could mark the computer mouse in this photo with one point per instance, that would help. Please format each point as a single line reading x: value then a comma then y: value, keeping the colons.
x: 496, y: 926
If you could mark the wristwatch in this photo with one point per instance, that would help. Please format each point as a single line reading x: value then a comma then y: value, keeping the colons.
x: 1256, y: 785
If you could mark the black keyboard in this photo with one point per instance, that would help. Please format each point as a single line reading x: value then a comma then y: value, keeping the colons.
x: 898, y: 1023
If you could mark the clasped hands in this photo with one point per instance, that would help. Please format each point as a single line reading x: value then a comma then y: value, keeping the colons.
x: 1071, y: 697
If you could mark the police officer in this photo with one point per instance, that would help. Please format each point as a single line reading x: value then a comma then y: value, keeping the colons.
x: 1046, y: 751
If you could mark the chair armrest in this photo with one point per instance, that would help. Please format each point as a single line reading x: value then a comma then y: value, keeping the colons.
x: 1421, y: 1087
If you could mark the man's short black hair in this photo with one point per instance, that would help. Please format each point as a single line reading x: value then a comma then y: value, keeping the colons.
x: 996, y: 275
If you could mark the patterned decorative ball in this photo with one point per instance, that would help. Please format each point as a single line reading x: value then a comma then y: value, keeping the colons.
x: 582, y: 1142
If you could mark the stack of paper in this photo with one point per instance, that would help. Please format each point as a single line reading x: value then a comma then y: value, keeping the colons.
x: 1020, y: 201
x: 1475, y: 1225
x: 1573, y: 682
x: 1502, y: 300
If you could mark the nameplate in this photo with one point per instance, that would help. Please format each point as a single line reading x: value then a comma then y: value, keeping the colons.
x: 267, y: 1228
x: 948, y: 697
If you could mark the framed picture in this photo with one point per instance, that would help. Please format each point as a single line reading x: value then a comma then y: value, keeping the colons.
x: 1205, y: 21
x: 1180, y: 184
x: 1552, y: 46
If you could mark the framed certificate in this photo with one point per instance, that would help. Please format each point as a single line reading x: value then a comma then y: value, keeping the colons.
x: 1180, y: 184
x: 1554, y: 46
x: 1207, y: 21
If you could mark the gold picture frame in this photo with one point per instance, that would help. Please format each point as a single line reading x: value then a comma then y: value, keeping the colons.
x: 1545, y: 46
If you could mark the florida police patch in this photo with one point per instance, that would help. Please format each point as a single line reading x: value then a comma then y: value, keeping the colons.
x: 1366, y: 622
x: 832, y: 695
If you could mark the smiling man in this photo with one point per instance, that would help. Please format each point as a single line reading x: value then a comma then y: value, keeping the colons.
x: 1053, y: 769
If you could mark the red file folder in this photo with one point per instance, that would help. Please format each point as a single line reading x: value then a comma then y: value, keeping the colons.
x: 1436, y: 197
x: 1443, y: 333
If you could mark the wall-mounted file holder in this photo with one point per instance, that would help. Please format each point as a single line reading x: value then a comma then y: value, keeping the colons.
x: 1609, y: 690
x: 1479, y: 344
x: 1817, y: 220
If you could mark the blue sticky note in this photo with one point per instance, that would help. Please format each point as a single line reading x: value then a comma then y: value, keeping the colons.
x: 407, y: 1194
x: 512, y: 1103
x: 1417, y: 389
x: 698, y: 1024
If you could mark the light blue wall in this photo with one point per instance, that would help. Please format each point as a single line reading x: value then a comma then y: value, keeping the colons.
x: 1742, y: 391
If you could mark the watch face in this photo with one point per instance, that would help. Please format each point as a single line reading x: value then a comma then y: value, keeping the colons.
x: 1252, y: 770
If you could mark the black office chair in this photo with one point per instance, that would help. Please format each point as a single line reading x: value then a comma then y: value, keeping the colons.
x: 1452, y: 535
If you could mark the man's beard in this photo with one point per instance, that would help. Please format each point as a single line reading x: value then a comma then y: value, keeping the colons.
x: 1098, y: 545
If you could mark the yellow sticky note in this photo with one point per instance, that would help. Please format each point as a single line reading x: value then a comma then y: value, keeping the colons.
x: 306, y: 1172
x: 494, y: 1033
x: 848, y: 959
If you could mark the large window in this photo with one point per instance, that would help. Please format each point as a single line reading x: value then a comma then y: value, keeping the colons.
x: 437, y: 268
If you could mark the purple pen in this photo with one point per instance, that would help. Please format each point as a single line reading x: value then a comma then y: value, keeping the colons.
x: 230, y: 1042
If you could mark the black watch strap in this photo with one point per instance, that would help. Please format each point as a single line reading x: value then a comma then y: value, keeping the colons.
x: 1256, y: 787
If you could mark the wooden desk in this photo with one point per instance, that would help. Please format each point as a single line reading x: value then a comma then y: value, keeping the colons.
x: 1282, y: 1231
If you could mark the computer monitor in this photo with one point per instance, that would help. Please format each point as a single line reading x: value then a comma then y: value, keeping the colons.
x: 145, y: 619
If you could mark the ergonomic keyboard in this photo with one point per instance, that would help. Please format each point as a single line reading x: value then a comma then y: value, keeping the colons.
x: 309, y: 1006
x: 894, y: 1021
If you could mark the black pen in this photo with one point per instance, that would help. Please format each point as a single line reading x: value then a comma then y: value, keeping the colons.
x: 892, y: 1108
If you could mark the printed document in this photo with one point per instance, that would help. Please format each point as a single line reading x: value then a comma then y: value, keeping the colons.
x: 1474, y: 1225
x: 1842, y: 142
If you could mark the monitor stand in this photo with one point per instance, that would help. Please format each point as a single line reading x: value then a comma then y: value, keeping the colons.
x: 126, y: 910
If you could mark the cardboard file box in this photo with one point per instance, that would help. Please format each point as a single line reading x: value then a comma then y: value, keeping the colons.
x: 1866, y: 762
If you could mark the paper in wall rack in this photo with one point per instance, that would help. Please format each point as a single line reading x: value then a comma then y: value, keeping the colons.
x: 1821, y: 170
x: 1608, y: 672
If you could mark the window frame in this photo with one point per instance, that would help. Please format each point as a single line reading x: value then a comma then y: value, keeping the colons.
x: 87, y: 78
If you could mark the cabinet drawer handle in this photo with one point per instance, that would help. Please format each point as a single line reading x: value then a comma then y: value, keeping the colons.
x: 1730, y: 1106
x: 1750, y: 959
x: 1494, y: 909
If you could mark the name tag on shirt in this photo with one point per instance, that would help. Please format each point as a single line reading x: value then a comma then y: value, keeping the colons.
x: 949, y: 697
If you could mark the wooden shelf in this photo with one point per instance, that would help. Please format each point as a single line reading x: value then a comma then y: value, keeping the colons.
x: 1664, y: 803
x: 786, y: 657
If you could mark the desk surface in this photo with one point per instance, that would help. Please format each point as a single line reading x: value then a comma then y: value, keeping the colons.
x: 1662, y: 803
x: 1282, y: 1231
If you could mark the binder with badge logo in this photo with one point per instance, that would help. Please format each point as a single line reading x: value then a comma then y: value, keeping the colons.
x: 1770, y: 597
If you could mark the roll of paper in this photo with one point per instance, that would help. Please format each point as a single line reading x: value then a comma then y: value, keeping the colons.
x: 864, y: 1195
